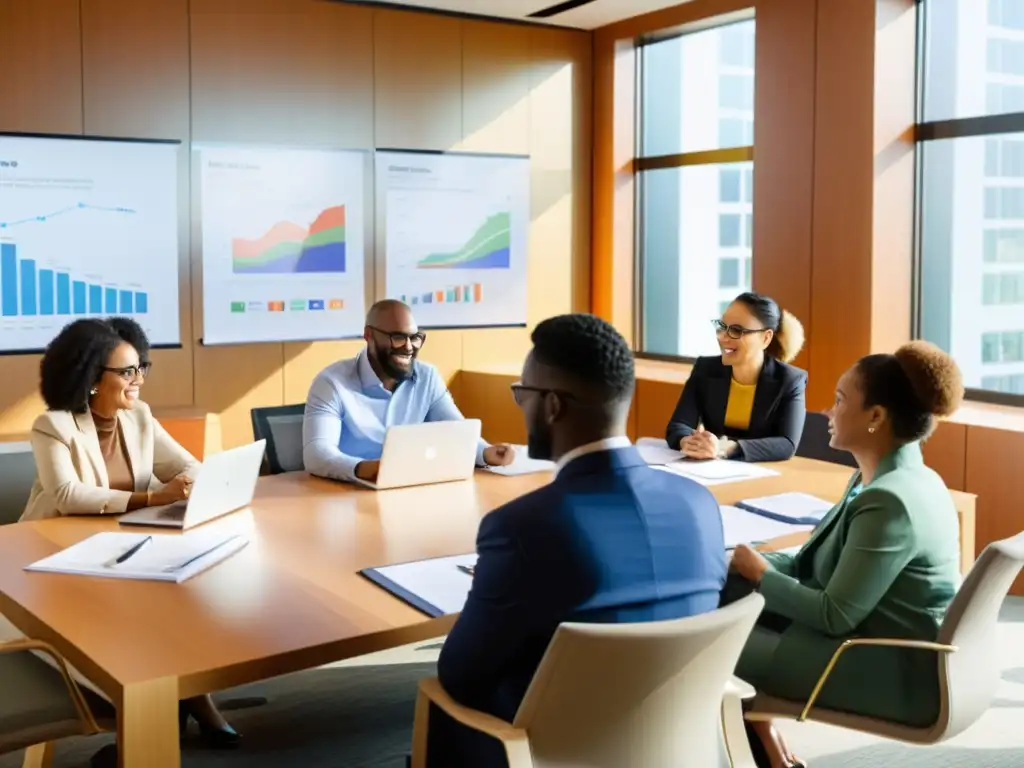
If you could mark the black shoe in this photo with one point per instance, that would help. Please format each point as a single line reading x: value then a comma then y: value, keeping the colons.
x: 212, y: 737
x: 105, y: 757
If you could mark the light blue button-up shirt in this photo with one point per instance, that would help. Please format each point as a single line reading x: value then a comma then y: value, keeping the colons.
x: 348, y: 412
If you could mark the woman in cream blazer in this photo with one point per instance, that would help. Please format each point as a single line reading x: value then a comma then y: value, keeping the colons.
x: 98, y: 450
x: 72, y: 476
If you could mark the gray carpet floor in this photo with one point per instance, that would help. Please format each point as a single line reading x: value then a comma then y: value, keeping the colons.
x: 342, y: 717
x: 361, y: 717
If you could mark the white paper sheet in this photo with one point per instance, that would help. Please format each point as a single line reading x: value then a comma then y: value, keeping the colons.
x: 795, y: 506
x: 522, y: 464
x: 743, y: 527
x: 718, y: 471
x: 438, y: 581
x: 656, y: 451
x: 166, y: 557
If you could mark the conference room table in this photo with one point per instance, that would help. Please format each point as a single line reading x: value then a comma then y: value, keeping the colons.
x: 293, y: 599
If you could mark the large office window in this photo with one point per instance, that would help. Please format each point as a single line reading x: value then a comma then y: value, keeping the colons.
x: 971, y: 193
x: 696, y: 185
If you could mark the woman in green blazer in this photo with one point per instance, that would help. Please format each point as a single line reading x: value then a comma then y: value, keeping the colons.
x: 884, y: 562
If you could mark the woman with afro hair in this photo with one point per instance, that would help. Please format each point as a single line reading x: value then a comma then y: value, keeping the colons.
x: 883, y: 563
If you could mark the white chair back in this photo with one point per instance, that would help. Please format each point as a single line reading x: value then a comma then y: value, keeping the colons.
x: 641, y: 695
x: 969, y: 677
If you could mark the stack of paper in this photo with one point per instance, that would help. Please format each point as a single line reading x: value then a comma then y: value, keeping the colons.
x: 795, y: 507
x: 522, y: 464
x: 656, y: 451
x: 437, y: 586
x: 161, y: 556
x: 743, y: 527
x: 718, y: 471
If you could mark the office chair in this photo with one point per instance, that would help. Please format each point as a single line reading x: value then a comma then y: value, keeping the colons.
x: 281, y: 427
x: 814, y: 442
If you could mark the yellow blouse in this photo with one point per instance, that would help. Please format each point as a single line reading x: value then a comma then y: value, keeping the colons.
x: 741, y: 403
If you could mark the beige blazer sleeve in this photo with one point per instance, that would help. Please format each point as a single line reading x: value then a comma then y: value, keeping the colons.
x: 71, y: 473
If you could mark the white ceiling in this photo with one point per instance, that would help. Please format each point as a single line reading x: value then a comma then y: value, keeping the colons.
x: 590, y: 16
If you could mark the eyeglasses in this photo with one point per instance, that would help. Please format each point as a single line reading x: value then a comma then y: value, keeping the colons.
x: 132, y: 372
x: 519, y: 391
x: 399, y: 340
x: 735, y: 331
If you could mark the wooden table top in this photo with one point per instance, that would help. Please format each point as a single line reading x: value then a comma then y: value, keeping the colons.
x: 293, y: 598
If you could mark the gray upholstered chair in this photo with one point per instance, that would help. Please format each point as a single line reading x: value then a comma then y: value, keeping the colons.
x: 644, y: 695
x: 814, y: 442
x: 40, y: 703
x: 17, y: 473
x: 281, y: 427
x: 966, y: 652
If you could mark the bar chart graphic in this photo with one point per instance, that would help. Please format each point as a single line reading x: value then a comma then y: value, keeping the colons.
x: 30, y: 290
x: 456, y: 235
x: 291, y: 249
x: 88, y: 228
x: 471, y: 293
x: 488, y: 248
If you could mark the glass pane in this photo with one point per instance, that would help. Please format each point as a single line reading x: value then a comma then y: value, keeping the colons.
x: 729, y: 230
x: 694, y: 256
x: 972, y: 255
x: 974, y: 58
x: 697, y: 91
x: 728, y: 273
x: 729, y: 185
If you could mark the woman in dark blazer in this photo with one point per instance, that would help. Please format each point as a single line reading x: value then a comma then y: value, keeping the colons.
x: 748, y: 403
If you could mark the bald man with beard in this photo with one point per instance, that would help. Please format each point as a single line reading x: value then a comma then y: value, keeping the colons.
x: 352, y: 403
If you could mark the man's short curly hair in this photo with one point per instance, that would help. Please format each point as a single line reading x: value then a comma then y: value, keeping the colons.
x: 589, y: 350
x: 73, y: 363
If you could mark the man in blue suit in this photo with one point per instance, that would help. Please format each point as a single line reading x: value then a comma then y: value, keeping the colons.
x: 609, y: 540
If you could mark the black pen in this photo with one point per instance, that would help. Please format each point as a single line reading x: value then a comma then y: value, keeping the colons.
x: 466, y: 569
x: 130, y: 552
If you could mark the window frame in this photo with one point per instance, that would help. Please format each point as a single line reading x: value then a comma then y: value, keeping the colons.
x: 991, y: 126
x: 642, y: 163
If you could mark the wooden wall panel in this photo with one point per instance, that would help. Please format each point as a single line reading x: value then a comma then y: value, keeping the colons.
x: 496, y: 80
x: 302, y: 363
x: 892, y: 248
x: 20, y: 402
x: 135, y: 68
x: 993, y: 473
x: 135, y: 84
x: 232, y: 380
x: 843, y: 171
x: 40, y: 66
x: 282, y: 72
x: 418, y: 80
x: 40, y: 92
x: 654, y: 403
x: 863, y: 185
x: 487, y: 397
x: 786, y: 37
x: 558, y: 144
x: 946, y: 452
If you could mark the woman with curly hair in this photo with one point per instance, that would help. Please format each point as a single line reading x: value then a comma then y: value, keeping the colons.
x: 98, y: 450
x: 883, y: 563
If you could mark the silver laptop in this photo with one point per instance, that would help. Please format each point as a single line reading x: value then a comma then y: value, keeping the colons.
x: 226, y: 482
x: 431, y: 452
